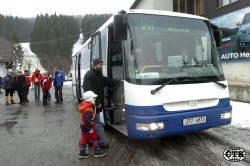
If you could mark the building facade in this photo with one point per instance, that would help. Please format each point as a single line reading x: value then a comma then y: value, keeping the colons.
x: 6, y: 55
x: 233, y: 19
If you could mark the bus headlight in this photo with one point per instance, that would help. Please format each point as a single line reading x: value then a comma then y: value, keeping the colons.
x: 226, y: 115
x: 150, y: 126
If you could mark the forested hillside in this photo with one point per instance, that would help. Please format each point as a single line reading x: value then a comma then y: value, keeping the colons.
x: 51, y: 37
x: 22, y: 26
x: 91, y: 22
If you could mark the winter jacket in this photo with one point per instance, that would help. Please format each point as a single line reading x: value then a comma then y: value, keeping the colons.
x: 20, y: 83
x: 94, y: 81
x: 37, y: 75
x: 8, y: 82
x: 46, y: 84
x: 58, y: 78
x: 87, y: 114
x: 28, y: 80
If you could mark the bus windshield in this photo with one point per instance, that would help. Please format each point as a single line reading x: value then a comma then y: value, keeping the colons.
x: 160, y: 48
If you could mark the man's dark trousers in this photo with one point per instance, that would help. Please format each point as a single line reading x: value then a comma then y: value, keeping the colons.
x: 58, y: 94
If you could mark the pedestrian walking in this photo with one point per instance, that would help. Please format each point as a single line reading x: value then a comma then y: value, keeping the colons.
x: 1, y: 84
x: 27, y: 85
x: 9, y: 86
x: 20, y: 87
x: 46, y: 85
x: 58, y: 79
x: 88, y: 130
x: 95, y: 81
x: 36, y: 81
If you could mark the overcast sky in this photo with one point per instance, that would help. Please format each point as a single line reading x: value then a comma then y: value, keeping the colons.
x: 30, y: 8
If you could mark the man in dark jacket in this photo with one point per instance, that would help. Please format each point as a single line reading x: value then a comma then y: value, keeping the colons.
x: 20, y: 86
x: 9, y: 86
x: 95, y: 81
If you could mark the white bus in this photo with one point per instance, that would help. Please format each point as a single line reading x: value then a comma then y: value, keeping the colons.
x: 173, y: 78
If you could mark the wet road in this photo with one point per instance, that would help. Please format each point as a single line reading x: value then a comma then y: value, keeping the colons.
x: 34, y: 135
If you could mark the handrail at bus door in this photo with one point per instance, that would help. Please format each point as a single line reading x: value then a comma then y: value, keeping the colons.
x: 152, y: 66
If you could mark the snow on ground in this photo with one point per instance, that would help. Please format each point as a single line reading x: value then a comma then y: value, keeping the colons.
x: 30, y: 57
x: 67, y: 83
x: 241, y: 114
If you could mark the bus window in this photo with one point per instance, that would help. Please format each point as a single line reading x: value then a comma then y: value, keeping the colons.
x: 95, y: 46
x: 169, y: 47
x: 85, y: 52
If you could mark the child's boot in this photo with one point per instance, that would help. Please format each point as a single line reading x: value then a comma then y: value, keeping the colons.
x: 12, y: 100
x: 82, y: 153
x: 99, y: 153
x: 6, y: 98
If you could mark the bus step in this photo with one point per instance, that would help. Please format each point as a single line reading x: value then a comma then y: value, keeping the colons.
x: 122, y: 128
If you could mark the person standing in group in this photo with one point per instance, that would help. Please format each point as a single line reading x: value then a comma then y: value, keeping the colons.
x: 9, y: 85
x: 95, y: 81
x: 20, y: 84
x: 27, y: 85
x: 88, y: 130
x: 1, y: 85
x: 46, y: 85
x: 36, y: 81
x: 47, y: 74
x: 58, y: 79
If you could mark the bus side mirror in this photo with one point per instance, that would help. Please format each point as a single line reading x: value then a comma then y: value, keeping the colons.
x: 120, y: 27
x: 217, y: 35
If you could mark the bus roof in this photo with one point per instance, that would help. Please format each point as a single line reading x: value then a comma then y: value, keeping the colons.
x: 150, y: 12
x: 153, y: 12
x: 165, y: 13
x: 80, y: 48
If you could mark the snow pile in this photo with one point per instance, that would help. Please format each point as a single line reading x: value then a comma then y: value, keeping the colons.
x: 77, y: 46
x: 30, y: 58
x: 241, y: 114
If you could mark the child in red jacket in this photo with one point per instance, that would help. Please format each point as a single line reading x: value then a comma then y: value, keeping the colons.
x: 88, y: 130
x: 46, y: 85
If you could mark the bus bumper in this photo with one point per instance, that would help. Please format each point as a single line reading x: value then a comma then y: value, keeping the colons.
x: 173, y: 122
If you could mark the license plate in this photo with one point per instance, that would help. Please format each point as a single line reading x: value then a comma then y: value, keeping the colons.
x: 194, y: 120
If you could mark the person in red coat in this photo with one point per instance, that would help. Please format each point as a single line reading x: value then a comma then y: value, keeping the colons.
x: 88, y: 130
x: 46, y: 85
x: 36, y: 81
x: 27, y: 85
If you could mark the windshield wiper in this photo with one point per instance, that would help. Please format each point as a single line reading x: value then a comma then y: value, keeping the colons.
x: 222, y: 85
x: 153, y: 91
x: 160, y: 87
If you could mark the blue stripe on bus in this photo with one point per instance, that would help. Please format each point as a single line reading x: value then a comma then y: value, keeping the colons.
x: 160, y: 110
x: 173, y: 123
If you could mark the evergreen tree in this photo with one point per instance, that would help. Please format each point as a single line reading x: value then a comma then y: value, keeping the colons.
x: 52, y: 39
x: 9, y: 24
x: 92, y: 22
x: 18, y: 52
